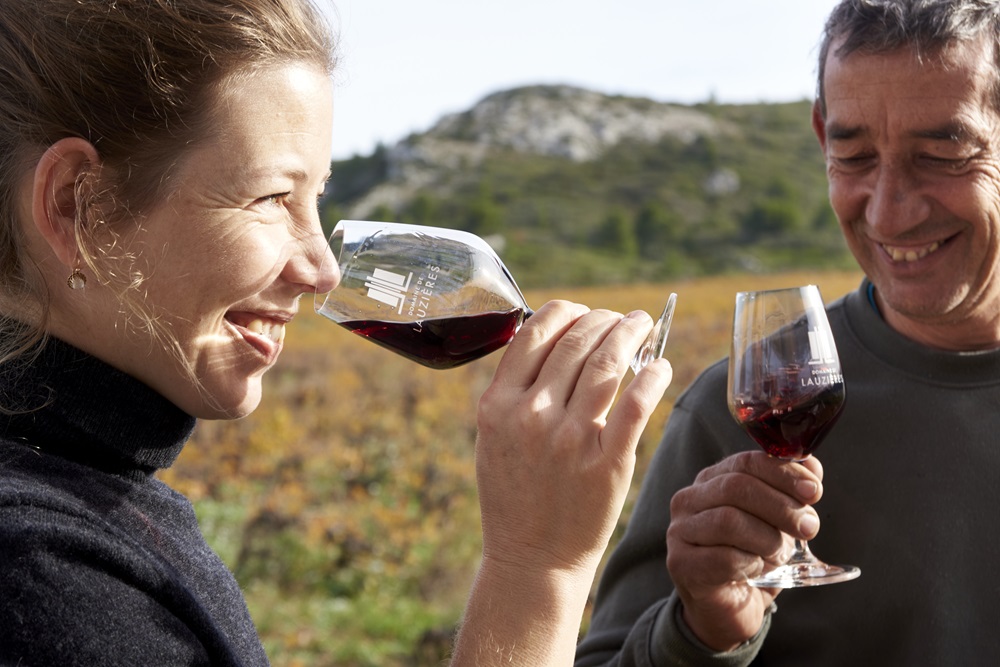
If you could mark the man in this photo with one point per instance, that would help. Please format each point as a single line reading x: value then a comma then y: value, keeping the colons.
x: 908, y: 118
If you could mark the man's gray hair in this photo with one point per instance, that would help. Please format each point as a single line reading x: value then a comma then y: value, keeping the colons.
x: 926, y: 26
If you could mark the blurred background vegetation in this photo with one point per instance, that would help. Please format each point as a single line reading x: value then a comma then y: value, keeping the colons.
x: 724, y: 188
x: 346, y: 504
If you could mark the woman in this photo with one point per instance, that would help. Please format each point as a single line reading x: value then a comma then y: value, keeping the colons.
x: 158, y: 180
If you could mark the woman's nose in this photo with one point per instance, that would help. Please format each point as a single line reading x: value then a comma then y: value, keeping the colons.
x: 313, y: 266
x: 327, y: 271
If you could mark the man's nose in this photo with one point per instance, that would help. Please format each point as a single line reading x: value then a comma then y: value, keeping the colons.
x: 896, y: 202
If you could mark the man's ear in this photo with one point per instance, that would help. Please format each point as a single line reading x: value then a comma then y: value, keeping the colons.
x: 55, y: 202
x: 819, y: 125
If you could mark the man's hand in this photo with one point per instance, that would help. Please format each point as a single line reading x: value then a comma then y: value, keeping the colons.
x: 739, y: 518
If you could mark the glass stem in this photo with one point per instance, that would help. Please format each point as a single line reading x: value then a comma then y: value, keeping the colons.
x: 801, y: 554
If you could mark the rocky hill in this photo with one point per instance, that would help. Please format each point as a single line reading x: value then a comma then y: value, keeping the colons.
x: 614, y: 188
x: 568, y: 122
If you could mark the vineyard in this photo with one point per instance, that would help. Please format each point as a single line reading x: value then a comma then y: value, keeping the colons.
x: 346, y: 504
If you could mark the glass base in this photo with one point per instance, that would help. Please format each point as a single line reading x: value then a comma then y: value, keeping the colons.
x: 798, y: 575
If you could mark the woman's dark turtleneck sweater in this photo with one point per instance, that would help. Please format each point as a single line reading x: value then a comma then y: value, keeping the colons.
x: 103, y: 564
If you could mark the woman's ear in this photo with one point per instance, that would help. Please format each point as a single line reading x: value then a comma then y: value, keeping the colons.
x: 55, y: 203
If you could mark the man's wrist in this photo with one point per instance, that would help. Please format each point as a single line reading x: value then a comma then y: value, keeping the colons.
x: 673, y: 642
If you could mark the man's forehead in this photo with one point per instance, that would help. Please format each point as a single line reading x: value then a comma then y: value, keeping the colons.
x: 962, y: 74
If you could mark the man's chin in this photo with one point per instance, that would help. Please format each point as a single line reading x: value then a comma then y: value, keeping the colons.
x: 927, y: 304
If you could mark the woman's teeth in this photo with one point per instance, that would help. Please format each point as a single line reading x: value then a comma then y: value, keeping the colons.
x: 910, y: 254
x: 273, y: 330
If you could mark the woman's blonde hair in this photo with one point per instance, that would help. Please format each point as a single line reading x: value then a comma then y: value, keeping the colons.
x: 136, y: 79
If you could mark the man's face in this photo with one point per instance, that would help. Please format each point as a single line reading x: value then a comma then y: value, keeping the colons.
x: 912, y: 159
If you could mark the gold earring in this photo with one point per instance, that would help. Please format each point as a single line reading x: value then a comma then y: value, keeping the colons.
x: 76, y: 279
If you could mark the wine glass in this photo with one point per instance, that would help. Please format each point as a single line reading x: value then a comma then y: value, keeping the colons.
x: 786, y: 390
x: 440, y: 297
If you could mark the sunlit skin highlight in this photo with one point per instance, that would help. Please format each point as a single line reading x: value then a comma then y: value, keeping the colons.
x: 230, y: 251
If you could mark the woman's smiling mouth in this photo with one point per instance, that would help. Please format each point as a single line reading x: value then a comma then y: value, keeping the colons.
x: 266, y: 334
x: 275, y: 331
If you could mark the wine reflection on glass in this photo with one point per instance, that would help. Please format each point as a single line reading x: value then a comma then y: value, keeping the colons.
x: 786, y: 390
x: 439, y: 297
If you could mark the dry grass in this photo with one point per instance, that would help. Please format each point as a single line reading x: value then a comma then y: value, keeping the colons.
x: 346, y: 504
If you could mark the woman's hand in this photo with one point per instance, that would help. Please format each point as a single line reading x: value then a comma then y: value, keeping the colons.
x: 554, y: 462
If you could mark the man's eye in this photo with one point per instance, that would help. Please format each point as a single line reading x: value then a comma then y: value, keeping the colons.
x: 850, y: 162
x: 947, y: 164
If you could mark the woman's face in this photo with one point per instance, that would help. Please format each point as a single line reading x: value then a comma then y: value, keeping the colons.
x: 229, y: 252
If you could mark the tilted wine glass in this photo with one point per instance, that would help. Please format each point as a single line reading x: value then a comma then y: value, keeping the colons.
x: 786, y: 390
x: 440, y: 297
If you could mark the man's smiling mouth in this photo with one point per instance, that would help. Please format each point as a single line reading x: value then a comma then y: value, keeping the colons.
x: 910, y: 254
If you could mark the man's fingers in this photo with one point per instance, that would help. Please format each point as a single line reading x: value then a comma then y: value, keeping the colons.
x: 803, y: 481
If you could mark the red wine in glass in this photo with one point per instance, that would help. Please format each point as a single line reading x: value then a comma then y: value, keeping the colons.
x: 786, y: 391
x: 440, y: 297
x: 792, y: 427
x: 444, y: 342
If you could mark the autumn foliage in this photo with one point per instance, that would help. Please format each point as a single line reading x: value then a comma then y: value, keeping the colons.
x: 346, y: 504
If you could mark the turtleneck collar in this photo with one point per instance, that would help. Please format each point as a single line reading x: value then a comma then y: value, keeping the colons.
x: 73, y: 405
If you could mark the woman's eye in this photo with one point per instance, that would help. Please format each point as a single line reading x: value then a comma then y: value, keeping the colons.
x: 274, y: 199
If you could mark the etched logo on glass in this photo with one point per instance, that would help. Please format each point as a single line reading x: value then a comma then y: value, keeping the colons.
x: 824, y: 366
x: 821, y: 349
x: 389, y: 288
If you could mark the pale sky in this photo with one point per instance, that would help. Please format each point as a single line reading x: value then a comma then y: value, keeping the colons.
x: 406, y: 63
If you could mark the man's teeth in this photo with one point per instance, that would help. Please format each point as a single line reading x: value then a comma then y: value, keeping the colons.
x: 274, y: 331
x: 910, y: 254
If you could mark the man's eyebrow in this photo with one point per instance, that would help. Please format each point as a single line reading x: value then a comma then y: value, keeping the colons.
x: 956, y: 132
x: 835, y: 131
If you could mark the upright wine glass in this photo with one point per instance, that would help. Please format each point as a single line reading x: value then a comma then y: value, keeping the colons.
x: 440, y: 297
x: 786, y: 390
